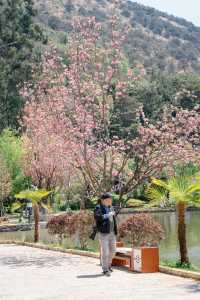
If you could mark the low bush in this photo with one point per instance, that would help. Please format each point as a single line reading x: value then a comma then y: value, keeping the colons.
x: 72, y: 224
x: 81, y: 224
x: 141, y: 230
x: 135, y: 203
x: 59, y: 225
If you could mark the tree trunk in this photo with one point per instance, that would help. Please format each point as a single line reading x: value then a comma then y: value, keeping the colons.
x: 181, y: 208
x: 36, y: 222
x: 83, y: 200
x: 2, y: 212
x: 82, y: 204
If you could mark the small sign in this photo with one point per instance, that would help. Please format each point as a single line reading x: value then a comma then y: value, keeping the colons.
x: 137, y: 255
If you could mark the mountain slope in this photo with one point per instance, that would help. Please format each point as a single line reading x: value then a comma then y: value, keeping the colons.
x: 156, y: 40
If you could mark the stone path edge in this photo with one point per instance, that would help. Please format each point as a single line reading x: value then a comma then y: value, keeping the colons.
x: 162, y: 269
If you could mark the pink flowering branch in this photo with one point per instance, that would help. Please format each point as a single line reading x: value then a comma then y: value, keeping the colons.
x: 67, y: 119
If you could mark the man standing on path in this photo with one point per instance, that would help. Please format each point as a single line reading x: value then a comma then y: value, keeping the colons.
x: 107, y: 227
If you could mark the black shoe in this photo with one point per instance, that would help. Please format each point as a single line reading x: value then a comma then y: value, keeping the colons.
x: 106, y: 273
x: 111, y: 269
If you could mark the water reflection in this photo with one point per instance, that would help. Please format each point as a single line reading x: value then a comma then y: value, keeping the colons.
x: 169, y: 247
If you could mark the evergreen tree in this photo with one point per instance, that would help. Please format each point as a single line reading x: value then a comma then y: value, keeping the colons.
x: 18, y: 37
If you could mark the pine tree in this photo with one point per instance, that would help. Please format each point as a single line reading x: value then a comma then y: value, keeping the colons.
x: 18, y: 36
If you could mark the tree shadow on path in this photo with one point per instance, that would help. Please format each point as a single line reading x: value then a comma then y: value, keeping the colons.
x: 35, y: 261
x: 193, y: 287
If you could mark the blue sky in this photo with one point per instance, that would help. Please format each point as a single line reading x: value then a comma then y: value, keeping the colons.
x: 188, y: 9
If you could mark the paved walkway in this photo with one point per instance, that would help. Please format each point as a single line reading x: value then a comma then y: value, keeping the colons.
x: 34, y: 274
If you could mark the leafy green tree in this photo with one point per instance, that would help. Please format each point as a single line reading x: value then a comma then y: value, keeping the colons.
x: 123, y: 118
x: 18, y: 49
x: 5, y: 184
x: 159, y: 90
x: 12, y: 151
x: 154, y: 93
x: 187, y: 90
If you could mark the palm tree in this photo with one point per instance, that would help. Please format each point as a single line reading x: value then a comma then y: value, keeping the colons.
x: 183, y: 191
x: 36, y: 198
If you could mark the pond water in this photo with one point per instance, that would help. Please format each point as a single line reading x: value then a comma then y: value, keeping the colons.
x: 168, y: 247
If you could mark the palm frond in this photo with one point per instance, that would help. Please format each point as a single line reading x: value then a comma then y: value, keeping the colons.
x: 182, y: 188
x: 47, y: 207
x: 16, y: 206
x: 178, y: 187
x: 157, y: 194
x: 194, y: 187
x: 160, y: 183
x: 34, y: 196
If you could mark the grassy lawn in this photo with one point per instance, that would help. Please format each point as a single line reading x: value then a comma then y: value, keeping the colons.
x: 177, y: 265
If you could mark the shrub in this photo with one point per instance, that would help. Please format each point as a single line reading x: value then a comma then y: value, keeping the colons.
x: 135, y: 203
x: 81, y: 224
x: 141, y: 230
x: 59, y: 225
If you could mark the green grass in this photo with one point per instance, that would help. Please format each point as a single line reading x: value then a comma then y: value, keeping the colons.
x: 89, y: 249
x: 68, y: 243
x: 178, y: 265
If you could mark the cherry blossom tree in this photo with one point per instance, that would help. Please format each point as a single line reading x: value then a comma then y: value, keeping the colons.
x: 44, y: 162
x: 67, y: 119
x: 69, y: 107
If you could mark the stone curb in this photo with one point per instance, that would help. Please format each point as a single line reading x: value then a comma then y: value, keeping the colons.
x: 180, y: 272
x: 15, y: 227
x: 162, y: 269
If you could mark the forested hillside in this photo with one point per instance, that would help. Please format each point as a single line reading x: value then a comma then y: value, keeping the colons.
x: 156, y: 40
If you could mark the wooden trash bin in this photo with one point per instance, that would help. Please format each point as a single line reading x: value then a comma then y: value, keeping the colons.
x: 145, y: 259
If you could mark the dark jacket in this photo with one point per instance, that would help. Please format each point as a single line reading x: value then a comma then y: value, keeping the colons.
x: 103, y: 225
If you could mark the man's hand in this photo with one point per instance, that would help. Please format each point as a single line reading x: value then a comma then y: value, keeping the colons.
x: 111, y: 213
